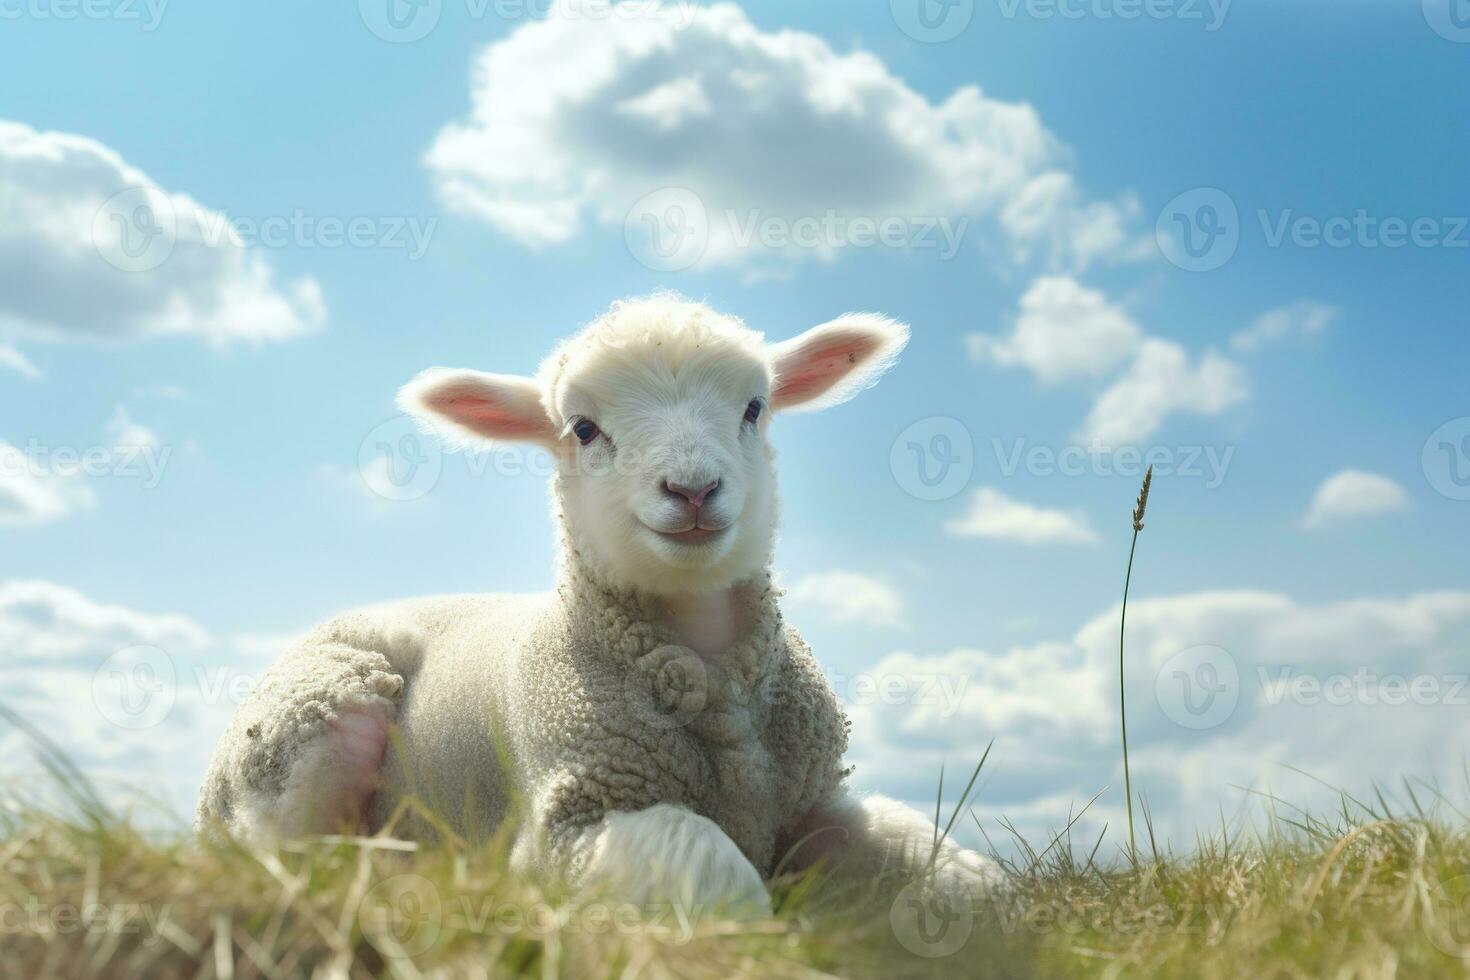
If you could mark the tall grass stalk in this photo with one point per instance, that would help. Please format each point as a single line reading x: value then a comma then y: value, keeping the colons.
x: 1138, y: 510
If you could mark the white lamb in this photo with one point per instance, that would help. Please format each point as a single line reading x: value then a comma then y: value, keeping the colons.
x: 668, y: 735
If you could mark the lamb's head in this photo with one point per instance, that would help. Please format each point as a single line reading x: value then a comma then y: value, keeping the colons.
x: 658, y: 416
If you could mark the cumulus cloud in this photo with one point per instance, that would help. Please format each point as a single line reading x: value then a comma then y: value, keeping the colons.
x: 92, y: 248
x: 573, y: 121
x: 848, y: 598
x: 135, y: 698
x: 1354, y: 494
x: 1224, y: 688
x: 1162, y: 380
x: 994, y: 515
x: 1303, y: 318
x: 32, y: 492
x: 1065, y: 331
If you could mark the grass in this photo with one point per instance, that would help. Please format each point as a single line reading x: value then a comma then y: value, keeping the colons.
x: 1365, y: 892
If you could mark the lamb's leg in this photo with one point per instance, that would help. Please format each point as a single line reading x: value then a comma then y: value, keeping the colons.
x: 658, y: 857
x: 863, y: 838
x: 303, y: 753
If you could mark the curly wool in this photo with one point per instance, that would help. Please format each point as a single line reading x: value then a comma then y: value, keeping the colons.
x: 578, y: 704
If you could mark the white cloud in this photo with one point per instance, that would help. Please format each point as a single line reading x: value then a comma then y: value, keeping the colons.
x: 1355, y: 691
x: 126, y: 433
x: 1067, y: 332
x: 77, y: 261
x: 1162, y: 381
x: 32, y: 493
x: 670, y: 105
x: 1064, y: 331
x: 136, y: 699
x: 43, y: 621
x: 1303, y: 318
x: 14, y: 360
x: 994, y: 515
x: 1354, y: 493
x: 849, y: 598
x: 573, y: 121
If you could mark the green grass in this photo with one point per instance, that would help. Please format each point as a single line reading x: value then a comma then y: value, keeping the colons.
x: 1368, y: 892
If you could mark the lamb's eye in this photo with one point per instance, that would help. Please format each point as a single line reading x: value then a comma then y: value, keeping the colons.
x: 753, y: 410
x: 586, y: 430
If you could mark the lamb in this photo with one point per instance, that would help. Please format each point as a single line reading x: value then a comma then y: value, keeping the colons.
x: 654, y: 723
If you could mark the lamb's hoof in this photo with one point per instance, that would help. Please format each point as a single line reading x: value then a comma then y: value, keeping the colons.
x: 667, y: 856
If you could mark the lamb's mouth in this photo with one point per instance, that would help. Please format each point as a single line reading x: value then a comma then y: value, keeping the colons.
x: 693, y: 535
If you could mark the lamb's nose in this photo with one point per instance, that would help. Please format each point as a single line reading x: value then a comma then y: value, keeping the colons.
x: 695, y: 497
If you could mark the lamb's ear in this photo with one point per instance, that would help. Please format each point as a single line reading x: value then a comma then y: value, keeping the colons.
x: 829, y: 364
x: 478, y: 406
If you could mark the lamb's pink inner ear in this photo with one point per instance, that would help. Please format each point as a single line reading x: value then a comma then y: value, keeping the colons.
x: 500, y: 407
x: 828, y: 364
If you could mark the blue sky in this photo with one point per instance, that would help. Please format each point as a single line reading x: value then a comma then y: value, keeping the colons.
x: 1306, y: 551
